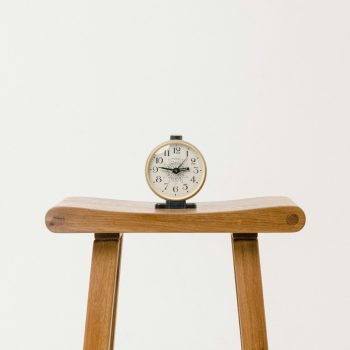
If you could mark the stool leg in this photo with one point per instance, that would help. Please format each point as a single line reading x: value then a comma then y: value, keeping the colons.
x: 103, y: 292
x: 250, y: 299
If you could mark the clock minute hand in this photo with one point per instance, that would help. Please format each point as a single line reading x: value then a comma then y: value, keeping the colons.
x: 162, y: 167
x: 184, y: 169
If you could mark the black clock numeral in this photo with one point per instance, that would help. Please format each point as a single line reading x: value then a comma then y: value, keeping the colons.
x: 176, y: 189
x: 158, y: 179
x: 187, y: 153
x: 193, y: 179
x: 195, y: 170
x: 177, y: 150
x: 159, y: 160
x: 193, y: 160
x: 166, y: 185
x: 155, y: 169
x: 166, y: 153
x: 185, y: 187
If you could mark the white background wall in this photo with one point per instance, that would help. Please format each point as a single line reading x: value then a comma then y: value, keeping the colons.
x: 88, y: 88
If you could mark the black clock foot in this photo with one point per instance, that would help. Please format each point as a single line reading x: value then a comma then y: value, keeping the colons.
x: 175, y: 205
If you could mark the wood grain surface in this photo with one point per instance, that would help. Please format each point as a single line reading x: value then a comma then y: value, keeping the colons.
x: 103, y: 293
x: 249, y: 292
x: 89, y: 215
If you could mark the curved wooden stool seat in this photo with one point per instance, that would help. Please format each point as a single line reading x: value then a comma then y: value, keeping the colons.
x: 108, y: 219
x: 94, y: 215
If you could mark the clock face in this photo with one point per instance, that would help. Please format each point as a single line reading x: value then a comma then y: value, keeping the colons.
x: 175, y: 170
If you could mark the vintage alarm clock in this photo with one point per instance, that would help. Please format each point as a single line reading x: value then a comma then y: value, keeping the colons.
x: 175, y: 171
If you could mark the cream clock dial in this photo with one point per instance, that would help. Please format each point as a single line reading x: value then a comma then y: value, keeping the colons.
x: 175, y: 170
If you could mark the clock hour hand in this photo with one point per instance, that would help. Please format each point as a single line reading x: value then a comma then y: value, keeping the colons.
x: 175, y: 170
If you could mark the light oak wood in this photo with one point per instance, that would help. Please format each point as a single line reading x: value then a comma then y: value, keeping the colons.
x: 103, y: 292
x: 107, y: 216
x: 88, y: 215
x: 249, y: 292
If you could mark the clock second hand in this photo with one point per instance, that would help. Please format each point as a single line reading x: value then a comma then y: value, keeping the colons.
x: 182, y: 163
x: 176, y: 169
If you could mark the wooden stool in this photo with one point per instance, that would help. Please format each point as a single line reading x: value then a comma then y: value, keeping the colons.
x: 108, y: 219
